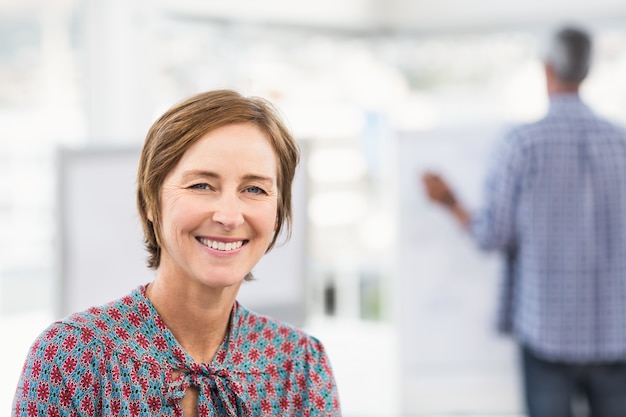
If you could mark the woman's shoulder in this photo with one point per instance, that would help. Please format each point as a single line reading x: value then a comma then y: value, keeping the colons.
x: 106, y: 326
x: 265, y: 330
x: 253, y: 321
x: 63, y: 349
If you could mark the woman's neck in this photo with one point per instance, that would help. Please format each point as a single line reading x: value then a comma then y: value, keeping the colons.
x: 197, y: 317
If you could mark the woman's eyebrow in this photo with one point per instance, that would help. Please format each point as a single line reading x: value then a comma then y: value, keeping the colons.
x: 200, y: 173
x: 262, y: 178
x: 210, y: 174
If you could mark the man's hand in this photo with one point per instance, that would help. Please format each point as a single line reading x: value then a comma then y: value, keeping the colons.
x: 438, y: 190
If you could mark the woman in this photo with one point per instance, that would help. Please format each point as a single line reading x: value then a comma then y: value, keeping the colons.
x: 214, y: 192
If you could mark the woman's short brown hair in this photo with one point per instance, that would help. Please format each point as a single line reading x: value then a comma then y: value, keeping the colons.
x: 183, y: 125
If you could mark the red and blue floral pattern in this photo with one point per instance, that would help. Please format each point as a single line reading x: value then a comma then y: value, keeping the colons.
x: 117, y: 360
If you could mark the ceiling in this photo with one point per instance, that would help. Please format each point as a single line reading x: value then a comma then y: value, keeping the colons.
x: 408, y: 16
x: 369, y: 16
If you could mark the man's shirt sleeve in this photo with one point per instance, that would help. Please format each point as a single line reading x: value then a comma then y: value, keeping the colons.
x: 493, y: 225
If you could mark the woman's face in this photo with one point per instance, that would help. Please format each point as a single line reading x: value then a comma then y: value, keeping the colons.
x: 219, y: 207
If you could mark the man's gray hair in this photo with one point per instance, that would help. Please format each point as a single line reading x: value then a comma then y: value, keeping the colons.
x: 569, y: 53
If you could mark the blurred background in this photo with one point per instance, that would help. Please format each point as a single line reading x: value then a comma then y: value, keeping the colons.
x: 374, y: 90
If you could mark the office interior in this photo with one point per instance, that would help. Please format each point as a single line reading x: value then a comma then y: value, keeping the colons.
x: 374, y: 91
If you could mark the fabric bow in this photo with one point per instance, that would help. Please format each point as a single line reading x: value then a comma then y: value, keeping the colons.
x: 217, y: 389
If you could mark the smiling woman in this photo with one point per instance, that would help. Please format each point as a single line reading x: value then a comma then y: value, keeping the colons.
x: 214, y: 191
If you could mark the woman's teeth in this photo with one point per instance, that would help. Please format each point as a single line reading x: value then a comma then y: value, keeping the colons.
x: 223, y: 246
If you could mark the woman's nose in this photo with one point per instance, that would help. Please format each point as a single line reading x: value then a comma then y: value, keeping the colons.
x: 228, y: 212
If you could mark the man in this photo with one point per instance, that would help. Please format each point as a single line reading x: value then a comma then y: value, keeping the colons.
x: 555, y: 208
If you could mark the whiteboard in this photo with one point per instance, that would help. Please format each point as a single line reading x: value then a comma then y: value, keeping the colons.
x: 101, y: 256
x: 452, y: 359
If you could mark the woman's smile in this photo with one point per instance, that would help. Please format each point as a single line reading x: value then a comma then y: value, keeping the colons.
x: 220, y: 245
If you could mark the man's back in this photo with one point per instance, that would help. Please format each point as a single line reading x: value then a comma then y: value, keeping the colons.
x: 557, y: 206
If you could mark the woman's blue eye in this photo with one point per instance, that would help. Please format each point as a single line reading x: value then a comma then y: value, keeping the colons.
x: 201, y: 186
x: 255, y: 190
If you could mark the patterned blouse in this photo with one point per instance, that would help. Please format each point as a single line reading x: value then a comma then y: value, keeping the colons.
x: 117, y: 360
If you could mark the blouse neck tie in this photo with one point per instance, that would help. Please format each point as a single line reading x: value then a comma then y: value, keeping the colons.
x: 217, y: 388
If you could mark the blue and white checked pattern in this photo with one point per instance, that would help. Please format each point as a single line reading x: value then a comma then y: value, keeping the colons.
x: 556, y: 207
